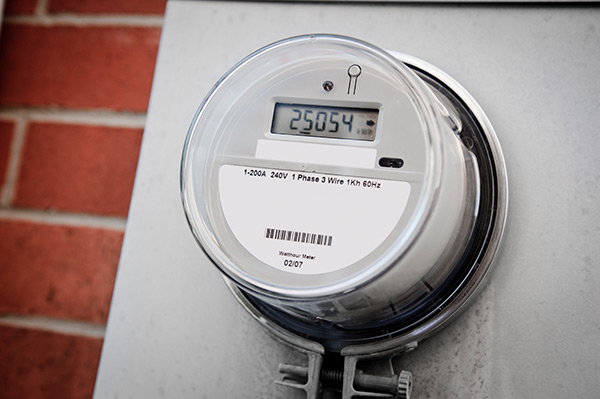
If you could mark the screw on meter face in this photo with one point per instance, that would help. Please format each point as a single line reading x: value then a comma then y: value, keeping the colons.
x: 327, y: 180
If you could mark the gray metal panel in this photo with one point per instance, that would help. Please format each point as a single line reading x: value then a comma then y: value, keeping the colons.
x: 175, y: 331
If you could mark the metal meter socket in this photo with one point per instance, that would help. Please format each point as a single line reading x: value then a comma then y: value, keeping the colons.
x: 350, y: 195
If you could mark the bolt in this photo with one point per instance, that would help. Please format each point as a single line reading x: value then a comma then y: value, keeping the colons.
x: 398, y: 385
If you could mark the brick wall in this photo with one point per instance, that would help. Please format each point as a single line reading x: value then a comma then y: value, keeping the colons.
x: 75, y: 78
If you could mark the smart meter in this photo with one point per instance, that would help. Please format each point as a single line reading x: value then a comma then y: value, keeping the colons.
x: 353, y: 197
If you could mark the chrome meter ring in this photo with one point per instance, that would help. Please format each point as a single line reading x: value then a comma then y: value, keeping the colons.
x: 429, y: 314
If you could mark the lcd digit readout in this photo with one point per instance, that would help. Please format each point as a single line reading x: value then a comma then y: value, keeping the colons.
x: 325, y: 121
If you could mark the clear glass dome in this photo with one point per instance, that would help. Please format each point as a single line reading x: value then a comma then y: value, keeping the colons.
x: 426, y: 229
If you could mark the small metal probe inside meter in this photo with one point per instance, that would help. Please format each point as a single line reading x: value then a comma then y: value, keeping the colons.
x: 353, y: 72
x: 352, y: 222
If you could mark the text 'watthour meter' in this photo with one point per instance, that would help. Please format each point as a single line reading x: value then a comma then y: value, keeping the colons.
x: 355, y: 199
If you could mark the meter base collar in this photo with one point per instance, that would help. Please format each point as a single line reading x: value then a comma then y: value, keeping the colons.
x: 431, y: 311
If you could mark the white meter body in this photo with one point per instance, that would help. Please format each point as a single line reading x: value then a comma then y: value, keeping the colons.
x: 331, y: 184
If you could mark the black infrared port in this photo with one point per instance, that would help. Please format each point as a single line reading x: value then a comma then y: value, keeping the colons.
x: 391, y: 162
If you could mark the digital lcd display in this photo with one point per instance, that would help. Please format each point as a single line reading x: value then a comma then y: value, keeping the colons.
x: 325, y: 121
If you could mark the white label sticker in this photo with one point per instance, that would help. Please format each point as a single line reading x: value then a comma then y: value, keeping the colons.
x: 309, y: 223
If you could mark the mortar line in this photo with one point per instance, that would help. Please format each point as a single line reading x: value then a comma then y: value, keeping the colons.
x: 69, y: 327
x: 84, y: 117
x: 63, y: 218
x: 42, y: 8
x: 119, y: 20
x: 14, y: 162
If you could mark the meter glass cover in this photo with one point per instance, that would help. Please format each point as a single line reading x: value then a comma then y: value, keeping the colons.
x: 325, y: 121
x: 258, y: 195
x: 246, y: 168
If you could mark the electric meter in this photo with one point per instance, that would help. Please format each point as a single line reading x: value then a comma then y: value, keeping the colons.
x: 353, y: 197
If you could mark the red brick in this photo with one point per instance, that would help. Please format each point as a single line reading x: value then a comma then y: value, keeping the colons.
x: 44, y: 365
x: 6, y: 136
x: 108, y: 6
x: 20, y: 7
x: 77, y: 67
x: 58, y: 271
x: 78, y: 168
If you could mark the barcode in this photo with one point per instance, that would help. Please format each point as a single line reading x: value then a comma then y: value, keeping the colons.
x: 298, y: 236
